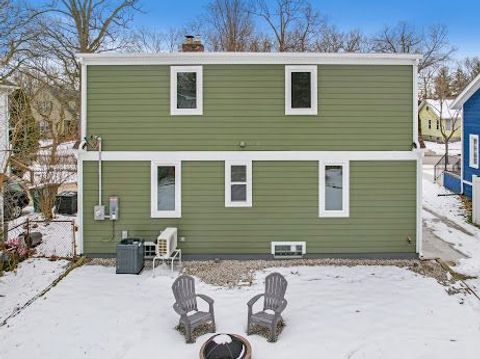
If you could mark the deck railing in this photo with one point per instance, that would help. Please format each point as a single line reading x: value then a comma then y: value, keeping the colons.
x: 450, y: 164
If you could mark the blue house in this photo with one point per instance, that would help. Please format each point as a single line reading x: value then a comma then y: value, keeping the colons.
x: 469, y: 101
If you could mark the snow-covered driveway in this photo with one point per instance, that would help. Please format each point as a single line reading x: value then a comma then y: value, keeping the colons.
x: 333, y: 312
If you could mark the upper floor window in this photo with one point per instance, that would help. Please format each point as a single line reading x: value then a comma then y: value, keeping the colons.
x: 429, y: 124
x: 473, y: 149
x: 186, y: 90
x: 238, y: 184
x: 301, y: 90
x: 334, y: 189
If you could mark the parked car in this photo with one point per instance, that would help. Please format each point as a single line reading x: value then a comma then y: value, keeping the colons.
x: 15, y: 199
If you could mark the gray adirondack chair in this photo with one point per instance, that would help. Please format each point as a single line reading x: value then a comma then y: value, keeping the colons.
x: 274, y: 301
x: 186, y: 302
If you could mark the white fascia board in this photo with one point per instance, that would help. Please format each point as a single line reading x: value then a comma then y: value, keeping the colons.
x: 251, y: 155
x: 182, y: 58
x: 473, y: 87
x: 415, y: 105
x: 419, y: 200
x: 83, y: 102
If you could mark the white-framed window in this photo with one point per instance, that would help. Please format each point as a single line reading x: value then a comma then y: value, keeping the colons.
x: 473, y: 146
x: 166, y: 188
x: 429, y: 124
x: 438, y: 124
x: 301, y: 90
x: 186, y: 90
x: 334, y: 189
x: 238, y: 183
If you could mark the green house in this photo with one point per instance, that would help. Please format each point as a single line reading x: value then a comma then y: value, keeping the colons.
x: 252, y: 154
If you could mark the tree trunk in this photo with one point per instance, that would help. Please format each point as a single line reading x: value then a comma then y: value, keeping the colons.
x: 446, y: 154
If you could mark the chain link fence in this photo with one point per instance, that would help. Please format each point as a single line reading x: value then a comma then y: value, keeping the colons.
x: 57, y: 237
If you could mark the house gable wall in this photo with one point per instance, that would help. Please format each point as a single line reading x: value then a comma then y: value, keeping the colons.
x: 433, y: 134
x: 471, y: 126
x: 360, y: 107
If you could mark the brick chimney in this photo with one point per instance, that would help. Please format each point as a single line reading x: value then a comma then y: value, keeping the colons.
x: 192, y: 44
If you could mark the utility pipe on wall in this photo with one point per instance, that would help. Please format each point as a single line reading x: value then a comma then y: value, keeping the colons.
x: 99, y: 142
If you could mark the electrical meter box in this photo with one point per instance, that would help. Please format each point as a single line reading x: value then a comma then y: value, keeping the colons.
x: 99, y: 212
x: 113, y: 207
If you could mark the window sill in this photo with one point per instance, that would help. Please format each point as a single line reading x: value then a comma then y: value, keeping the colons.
x: 301, y: 112
x: 173, y: 214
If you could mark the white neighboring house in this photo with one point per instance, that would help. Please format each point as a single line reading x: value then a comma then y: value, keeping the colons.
x: 5, y: 89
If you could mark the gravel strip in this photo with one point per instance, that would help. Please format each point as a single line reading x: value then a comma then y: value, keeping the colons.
x: 232, y: 273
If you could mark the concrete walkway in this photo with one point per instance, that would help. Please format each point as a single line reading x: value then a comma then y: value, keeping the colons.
x: 434, y: 247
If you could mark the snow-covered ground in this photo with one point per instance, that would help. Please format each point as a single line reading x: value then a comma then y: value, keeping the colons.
x: 333, y: 312
x: 454, y: 148
x: 57, y: 235
x: 448, y: 206
x: 463, y: 236
x: 31, y: 277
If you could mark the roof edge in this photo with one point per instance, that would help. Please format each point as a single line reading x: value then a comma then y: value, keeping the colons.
x: 466, y: 93
x: 248, y: 58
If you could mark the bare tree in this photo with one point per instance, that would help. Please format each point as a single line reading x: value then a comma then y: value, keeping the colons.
x: 355, y: 41
x: 231, y: 26
x: 404, y: 38
x: 293, y: 23
x: 172, y: 39
x: 460, y: 80
x: 147, y: 40
x: 449, y: 122
x: 472, y: 67
x: 260, y: 43
x: 17, y: 30
x: 331, y: 39
x: 77, y: 26
x: 152, y: 41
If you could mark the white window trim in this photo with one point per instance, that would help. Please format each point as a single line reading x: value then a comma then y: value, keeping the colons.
x: 471, y: 149
x: 174, y: 111
x: 313, y: 90
x: 228, y: 184
x: 345, y: 212
x: 155, y: 213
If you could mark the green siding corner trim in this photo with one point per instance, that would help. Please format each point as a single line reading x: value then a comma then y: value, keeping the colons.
x: 360, y: 107
x: 285, y: 208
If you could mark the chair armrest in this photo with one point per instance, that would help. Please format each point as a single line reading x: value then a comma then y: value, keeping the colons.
x: 206, y: 298
x: 252, y: 301
x: 178, y: 309
x: 281, y: 307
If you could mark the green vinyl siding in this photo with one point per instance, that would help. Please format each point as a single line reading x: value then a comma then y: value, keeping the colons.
x: 285, y: 208
x: 360, y: 107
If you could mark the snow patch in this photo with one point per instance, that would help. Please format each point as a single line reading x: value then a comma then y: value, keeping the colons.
x: 222, y: 339
x: 333, y: 312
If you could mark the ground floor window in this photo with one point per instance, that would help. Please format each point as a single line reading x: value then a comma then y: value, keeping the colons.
x: 238, y: 183
x: 166, y: 190
x: 473, y: 146
x: 334, y: 189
